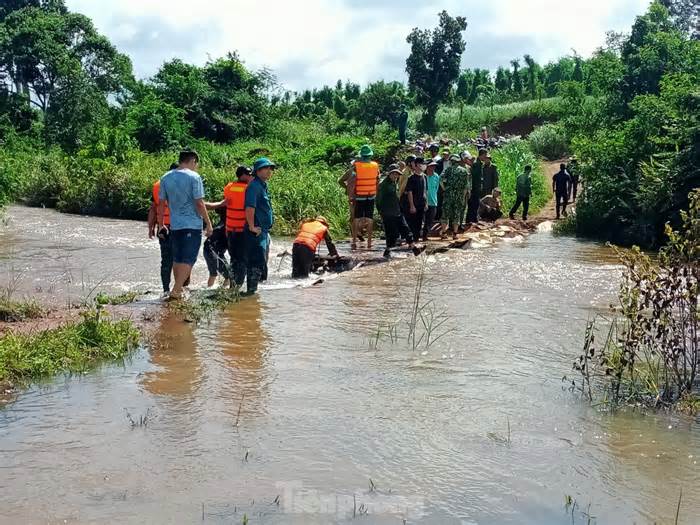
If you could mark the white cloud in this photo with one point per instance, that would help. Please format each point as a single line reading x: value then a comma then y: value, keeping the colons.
x: 313, y: 42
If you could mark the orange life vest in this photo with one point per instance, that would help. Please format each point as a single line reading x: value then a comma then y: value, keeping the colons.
x: 311, y: 234
x: 366, y: 175
x: 156, y: 199
x: 234, y: 193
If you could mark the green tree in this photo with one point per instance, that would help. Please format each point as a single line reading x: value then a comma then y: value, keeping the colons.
x: 379, y: 102
x: 517, y: 81
x: 433, y: 65
x: 42, y: 49
x: 502, y: 81
x: 156, y: 125
x: 532, y: 71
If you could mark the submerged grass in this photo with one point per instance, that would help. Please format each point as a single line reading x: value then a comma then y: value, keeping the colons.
x: 76, y: 347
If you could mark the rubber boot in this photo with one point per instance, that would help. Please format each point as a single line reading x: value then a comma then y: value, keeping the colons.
x: 254, y: 275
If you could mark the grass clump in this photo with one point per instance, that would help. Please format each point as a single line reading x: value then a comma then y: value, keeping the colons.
x: 76, y: 347
x: 115, y: 300
x: 16, y: 311
x: 202, y: 305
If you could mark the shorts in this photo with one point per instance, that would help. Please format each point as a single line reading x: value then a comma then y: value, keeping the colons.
x: 186, y: 244
x: 364, y: 209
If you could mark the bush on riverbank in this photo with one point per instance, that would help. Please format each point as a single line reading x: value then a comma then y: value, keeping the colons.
x: 549, y: 141
x: 72, y: 348
x: 651, y: 355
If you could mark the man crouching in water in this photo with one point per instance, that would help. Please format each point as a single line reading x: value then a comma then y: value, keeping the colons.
x: 310, y: 235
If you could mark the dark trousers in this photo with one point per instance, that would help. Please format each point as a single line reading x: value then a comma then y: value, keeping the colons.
x: 402, y: 135
x: 574, y: 187
x: 415, y: 221
x: 473, y: 207
x: 438, y: 209
x: 166, y: 262
x: 525, y: 201
x: 257, y: 250
x: 395, y: 227
x: 429, y: 220
x: 302, y: 261
x: 237, y: 254
x: 215, y: 257
x: 562, y: 201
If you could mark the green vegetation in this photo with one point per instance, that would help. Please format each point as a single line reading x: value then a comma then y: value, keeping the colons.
x: 79, y: 132
x: 72, y: 348
x: 511, y: 160
x: 202, y: 305
x: 549, y: 141
x: 14, y: 311
x: 651, y: 356
x: 103, y: 299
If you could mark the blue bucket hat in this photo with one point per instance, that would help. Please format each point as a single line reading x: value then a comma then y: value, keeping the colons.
x: 262, y: 162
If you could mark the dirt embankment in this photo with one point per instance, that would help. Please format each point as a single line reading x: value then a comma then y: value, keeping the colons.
x: 522, y: 126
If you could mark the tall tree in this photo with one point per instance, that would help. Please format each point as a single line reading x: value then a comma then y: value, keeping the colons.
x: 517, y: 79
x: 531, y: 76
x: 502, y: 80
x: 433, y: 65
x: 43, y: 48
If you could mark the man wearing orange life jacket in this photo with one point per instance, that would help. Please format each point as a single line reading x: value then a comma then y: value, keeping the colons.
x: 166, y: 252
x: 366, y: 178
x: 308, y: 240
x: 234, y: 203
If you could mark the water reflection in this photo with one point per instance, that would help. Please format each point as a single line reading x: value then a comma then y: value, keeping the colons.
x: 174, y: 352
x: 243, y: 342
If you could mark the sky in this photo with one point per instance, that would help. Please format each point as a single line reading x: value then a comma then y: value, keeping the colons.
x: 309, y: 43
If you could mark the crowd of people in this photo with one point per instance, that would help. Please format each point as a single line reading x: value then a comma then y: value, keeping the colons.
x: 433, y: 192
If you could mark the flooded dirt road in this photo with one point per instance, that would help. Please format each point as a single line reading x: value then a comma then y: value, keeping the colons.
x: 285, y: 406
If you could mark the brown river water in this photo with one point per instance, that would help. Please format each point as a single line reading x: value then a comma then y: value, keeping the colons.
x: 283, y: 407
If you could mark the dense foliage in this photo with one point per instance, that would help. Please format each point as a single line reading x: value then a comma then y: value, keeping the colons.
x: 640, y: 142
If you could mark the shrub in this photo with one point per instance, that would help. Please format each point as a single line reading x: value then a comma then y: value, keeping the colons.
x: 549, y: 141
x: 651, y: 355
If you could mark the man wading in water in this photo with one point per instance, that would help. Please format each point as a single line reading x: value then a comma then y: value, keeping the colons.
x: 234, y: 203
x: 166, y: 251
x: 259, y: 221
x: 183, y: 191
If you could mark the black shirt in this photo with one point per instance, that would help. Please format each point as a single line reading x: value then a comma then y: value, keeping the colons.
x: 417, y: 186
x: 562, y: 180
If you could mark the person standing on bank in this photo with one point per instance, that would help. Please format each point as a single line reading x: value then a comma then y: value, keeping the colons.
x: 561, y: 186
x: 311, y: 233
x: 259, y: 221
x: 572, y: 168
x: 183, y: 191
x: 432, y: 180
x: 415, y: 199
x: 523, y: 191
x: 489, y: 177
x: 390, y: 211
x: 366, y: 179
x: 166, y: 251
x: 477, y: 178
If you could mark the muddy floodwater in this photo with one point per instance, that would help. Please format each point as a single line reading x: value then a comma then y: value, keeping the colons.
x: 285, y: 406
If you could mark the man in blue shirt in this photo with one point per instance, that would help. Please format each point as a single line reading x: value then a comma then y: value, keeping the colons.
x: 183, y: 190
x: 259, y: 221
